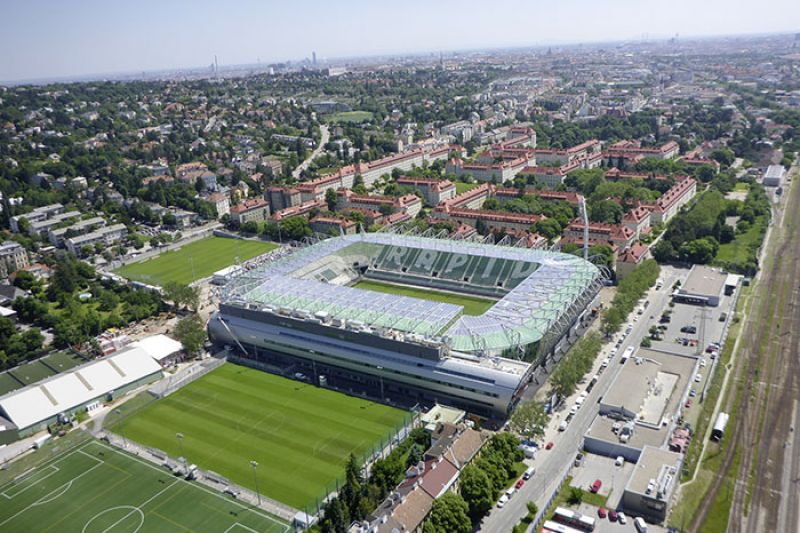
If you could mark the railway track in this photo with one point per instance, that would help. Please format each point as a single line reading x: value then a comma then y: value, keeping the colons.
x: 769, y: 386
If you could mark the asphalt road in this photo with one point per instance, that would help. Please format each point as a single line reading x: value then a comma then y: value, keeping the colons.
x: 552, y: 465
x: 318, y: 150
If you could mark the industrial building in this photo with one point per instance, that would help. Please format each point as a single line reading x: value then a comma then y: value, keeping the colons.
x: 704, y: 286
x: 655, y: 477
x: 298, y: 310
x: 773, y: 176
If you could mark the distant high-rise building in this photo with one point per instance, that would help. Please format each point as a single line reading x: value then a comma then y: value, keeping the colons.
x: 313, y: 58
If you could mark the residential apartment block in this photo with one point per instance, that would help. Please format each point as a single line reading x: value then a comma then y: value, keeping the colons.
x: 106, y: 236
x: 13, y: 257
x: 253, y: 210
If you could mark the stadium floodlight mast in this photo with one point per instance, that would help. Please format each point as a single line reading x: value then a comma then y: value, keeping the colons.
x: 254, y: 464
x: 179, y: 436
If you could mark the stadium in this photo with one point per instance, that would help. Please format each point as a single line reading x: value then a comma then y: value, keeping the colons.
x: 301, y: 311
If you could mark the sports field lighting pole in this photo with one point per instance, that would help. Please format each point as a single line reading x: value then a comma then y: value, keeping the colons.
x: 179, y: 436
x: 380, y: 376
x: 255, y: 477
x: 122, y: 430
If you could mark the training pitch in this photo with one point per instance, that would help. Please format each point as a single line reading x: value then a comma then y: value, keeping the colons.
x: 472, y: 305
x: 96, y: 488
x: 194, y: 261
x: 300, y: 435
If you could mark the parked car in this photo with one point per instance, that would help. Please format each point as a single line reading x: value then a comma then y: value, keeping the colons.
x: 688, y: 403
x: 693, y: 393
x: 595, y: 488
x: 579, y: 459
x: 529, y: 473
x: 612, y: 515
x: 723, y: 317
x: 622, y: 518
x: 702, y: 363
x: 619, y: 461
x: 520, y: 483
x: 698, y: 378
x: 502, y: 501
x: 601, y: 512
x: 549, y: 446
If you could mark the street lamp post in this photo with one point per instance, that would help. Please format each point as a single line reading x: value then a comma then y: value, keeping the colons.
x: 122, y: 430
x: 255, y: 478
x: 179, y: 436
x: 380, y: 377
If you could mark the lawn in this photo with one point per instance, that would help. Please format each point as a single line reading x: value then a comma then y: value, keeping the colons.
x: 462, y: 187
x: 350, y: 116
x: 194, y: 261
x: 300, y: 435
x: 741, y: 186
x: 472, y: 305
x: 95, y: 488
x: 738, y: 250
x: 8, y: 383
x: 63, y: 360
x: 32, y: 372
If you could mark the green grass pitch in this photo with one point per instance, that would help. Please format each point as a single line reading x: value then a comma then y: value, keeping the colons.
x: 96, y: 488
x: 194, y: 261
x: 300, y: 435
x: 472, y: 305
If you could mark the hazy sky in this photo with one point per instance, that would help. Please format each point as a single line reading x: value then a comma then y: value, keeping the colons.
x: 53, y: 38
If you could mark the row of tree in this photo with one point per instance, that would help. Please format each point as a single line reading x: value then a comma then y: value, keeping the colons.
x: 575, y: 364
x: 629, y: 291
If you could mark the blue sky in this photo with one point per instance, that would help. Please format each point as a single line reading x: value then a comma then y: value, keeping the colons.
x: 54, y: 38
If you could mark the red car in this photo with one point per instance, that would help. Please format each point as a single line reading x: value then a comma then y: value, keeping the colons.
x: 688, y: 403
x: 612, y: 515
x: 601, y: 512
x: 549, y: 445
x: 595, y: 488
x: 520, y: 483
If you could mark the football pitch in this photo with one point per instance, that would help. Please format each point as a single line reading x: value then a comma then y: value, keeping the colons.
x: 96, y: 488
x: 300, y: 435
x: 194, y: 261
x: 473, y: 305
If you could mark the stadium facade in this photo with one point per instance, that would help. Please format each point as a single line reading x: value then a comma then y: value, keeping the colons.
x: 297, y: 309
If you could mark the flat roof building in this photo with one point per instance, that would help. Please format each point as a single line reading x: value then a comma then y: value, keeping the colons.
x: 704, y: 286
x: 654, y: 479
x: 773, y: 176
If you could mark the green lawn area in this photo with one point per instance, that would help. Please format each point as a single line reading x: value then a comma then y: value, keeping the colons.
x: 472, y: 305
x: 350, y: 116
x: 462, y: 187
x: 737, y: 251
x: 300, y: 435
x: 63, y: 360
x: 741, y: 186
x: 95, y: 488
x: 194, y: 261
x: 8, y: 383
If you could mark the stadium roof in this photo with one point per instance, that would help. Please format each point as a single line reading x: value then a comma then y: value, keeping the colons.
x: 522, y: 316
x: 63, y: 392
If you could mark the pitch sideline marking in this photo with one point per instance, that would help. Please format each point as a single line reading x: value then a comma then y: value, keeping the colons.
x: 239, y: 524
x: 37, y: 502
x: 198, y: 486
x: 104, y: 511
x: 16, y: 483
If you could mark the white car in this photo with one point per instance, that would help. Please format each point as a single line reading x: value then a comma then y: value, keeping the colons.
x: 698, y: 378
x: 621, y: 518
x: 620, y: 461
x: 502, y: 501
x: 702, y: 363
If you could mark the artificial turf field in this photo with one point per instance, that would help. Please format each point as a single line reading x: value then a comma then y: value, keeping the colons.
x: 473, y: 305
x: 300, y: 435
x: 96, y: 488
x: 194, y: 261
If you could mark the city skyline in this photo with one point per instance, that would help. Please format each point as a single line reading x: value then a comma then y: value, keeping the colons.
x: 92, y: 40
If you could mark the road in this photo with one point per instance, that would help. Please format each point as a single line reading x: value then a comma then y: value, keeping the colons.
x: 552, y: 465
x: 326, y: 135
x: 765, y: 494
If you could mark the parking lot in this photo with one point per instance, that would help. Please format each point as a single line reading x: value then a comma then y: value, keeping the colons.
x: 613, y: 477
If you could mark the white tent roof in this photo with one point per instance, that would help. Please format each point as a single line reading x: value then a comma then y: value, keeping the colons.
x: 66, y: 391
x: 159, y: 347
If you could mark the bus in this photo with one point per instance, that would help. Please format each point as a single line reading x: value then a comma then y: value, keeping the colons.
x: 574, y: 520
x: 626, y: 354
x: 554, y: 527
x: 719, y: 426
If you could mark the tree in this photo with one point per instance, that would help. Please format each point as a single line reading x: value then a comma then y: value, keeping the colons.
x: 549, y: 228
x: 335, y: 520
x: 529, y: 419
x: 33, y: 340
x: 352, y: 490
x: 250, y: 227
x: 449, y: 515
x: 295, y: 228
x: 330, y: 199
x: 24, y: 280
x: 575, y: 496
x: 477, y: 490
x: 191, y: 334
x: 7, y: 329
